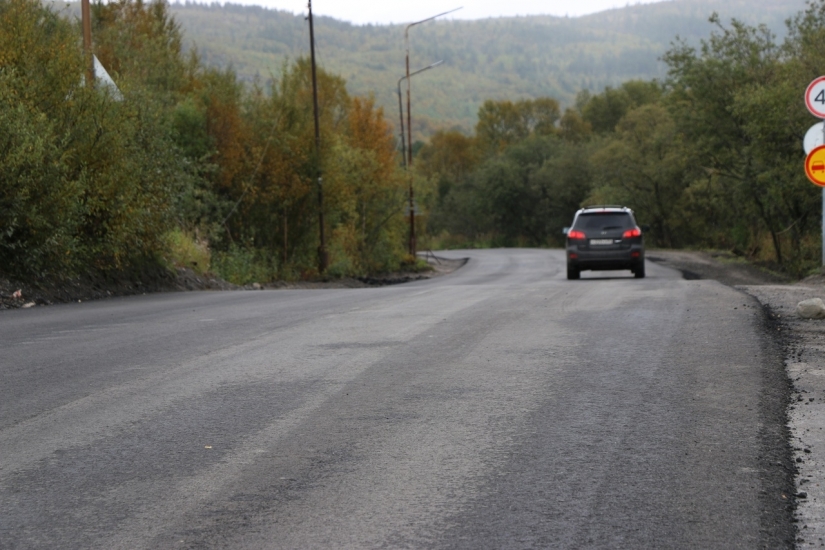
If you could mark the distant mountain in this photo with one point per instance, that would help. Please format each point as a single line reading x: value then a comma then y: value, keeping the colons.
x: 517, y: 57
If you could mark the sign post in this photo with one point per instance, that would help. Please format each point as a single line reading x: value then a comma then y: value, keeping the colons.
x: 814, y: 143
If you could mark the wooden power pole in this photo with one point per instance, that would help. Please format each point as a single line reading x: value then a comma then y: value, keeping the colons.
x: 322, y: 248
x: 86, y: 16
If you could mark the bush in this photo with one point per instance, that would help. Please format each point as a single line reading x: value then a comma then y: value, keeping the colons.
x: 186, y: 250
x: 243, y: 266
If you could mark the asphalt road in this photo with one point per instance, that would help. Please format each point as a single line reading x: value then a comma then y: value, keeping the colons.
x: 501, y: 406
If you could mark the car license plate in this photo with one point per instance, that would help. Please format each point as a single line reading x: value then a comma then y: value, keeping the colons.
x: 600, y: 242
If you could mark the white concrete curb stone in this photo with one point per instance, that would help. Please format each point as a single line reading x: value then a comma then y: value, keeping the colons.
x: 811, y: 309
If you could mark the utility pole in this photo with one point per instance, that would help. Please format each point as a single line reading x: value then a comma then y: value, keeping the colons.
x: 322, y: 248
x: 401, y: 115
x: 86, y: 16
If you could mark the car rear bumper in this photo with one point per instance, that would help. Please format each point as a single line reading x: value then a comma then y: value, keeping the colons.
x: 605, y: 259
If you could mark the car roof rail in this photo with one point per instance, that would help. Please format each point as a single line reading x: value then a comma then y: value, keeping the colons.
x: 596, y: 206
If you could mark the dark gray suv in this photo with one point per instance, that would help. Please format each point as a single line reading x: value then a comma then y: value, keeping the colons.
x: 602, y: 238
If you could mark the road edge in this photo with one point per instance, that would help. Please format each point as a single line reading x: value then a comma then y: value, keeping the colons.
x: 777, y: 467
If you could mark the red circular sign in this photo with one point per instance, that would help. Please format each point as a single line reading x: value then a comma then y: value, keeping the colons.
x: 815, y: 97
x: 815, y: 166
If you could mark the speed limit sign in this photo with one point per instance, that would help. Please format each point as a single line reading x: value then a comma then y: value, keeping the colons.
x: 815, y: 97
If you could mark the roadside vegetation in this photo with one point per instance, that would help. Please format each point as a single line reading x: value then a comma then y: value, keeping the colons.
x: 190, y: 167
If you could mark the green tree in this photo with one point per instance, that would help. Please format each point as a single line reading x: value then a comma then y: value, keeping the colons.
x: 644, y: 166
x: 503, y: 123
x: 710, y: 88
x: 91, y: 179
x: 141, y: 44
x: 604, y: 111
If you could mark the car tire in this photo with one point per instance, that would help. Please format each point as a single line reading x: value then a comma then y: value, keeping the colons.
x: 573, y: 273
x: 639, y: 271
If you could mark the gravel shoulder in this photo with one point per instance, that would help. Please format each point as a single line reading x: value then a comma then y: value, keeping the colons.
x: 718, y: 266
x: 803, y: 344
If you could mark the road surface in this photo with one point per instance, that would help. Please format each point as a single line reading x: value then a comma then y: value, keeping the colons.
x: 501, y: 406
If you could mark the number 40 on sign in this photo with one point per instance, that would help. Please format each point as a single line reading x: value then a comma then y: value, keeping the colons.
x: 815, y: 97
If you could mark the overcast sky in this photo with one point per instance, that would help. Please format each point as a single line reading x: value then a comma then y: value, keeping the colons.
x: 383, y: 12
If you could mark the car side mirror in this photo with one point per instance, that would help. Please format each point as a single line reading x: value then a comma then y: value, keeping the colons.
x: 565, y: 230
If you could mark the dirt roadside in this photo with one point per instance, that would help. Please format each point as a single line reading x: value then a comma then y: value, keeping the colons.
x: 22, y: 294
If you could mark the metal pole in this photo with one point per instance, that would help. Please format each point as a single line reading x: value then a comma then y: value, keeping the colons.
x: 409, y: 124
x: 322, y: 249
x: 823, y: 204
x: 411, y: 244
x: 401, y: 116
x: 86, y: 16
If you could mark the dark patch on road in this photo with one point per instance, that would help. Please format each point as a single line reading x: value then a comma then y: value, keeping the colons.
x: 725, y: 268
x: 690, y: 275
x: 391, y: 280
x: 361, y: 345
x: 776, y: 461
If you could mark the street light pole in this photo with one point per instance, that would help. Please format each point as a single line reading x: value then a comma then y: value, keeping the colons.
x: 409, y: 125
x: 401, y: 111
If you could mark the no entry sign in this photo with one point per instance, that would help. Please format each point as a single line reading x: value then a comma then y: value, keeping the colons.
x: 815, y: 166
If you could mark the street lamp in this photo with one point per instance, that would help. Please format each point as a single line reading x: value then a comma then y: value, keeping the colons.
x: 401, y: 110
x: 409, y: 124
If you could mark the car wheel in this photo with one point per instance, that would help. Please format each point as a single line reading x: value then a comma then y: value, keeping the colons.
x: 639, y: 271
x: 573, y: 273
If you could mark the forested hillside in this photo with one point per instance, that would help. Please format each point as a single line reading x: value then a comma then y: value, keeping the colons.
x: 523, y: 57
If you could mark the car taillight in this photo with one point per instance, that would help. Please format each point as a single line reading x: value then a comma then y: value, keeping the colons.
x: 576, y: 235
x: 630, y: 233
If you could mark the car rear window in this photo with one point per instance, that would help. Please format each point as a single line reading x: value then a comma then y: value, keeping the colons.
x: 604, y: 220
